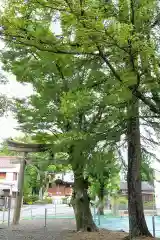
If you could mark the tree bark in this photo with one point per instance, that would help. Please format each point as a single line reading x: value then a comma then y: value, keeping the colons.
x: 137, y: 223
x: 101, y: 200
x: 115, y: 206
x: 40, y: 193
x: 101, y: 208
x: 81, y: 205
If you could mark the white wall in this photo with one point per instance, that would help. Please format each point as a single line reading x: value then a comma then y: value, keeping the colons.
x: 67, y: 177
x: 9, y: 170
x: 8, y: 182
x: 9, y: 176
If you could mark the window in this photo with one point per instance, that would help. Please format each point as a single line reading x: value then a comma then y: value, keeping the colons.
x: 14, y: 176
x: 2, y: 175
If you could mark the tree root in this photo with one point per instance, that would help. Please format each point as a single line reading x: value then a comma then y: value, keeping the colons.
x: 134, y: 238
x: 127, y: 238
x: 88, y: 229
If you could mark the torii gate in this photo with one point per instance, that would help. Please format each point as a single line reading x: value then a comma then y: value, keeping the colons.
x: 24, y: 148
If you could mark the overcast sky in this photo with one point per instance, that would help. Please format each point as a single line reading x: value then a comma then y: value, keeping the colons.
x: 15, y: 89
x: 12, y: 89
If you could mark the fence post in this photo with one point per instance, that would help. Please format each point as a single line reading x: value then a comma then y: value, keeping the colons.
x: 153, y: 223
x: 55, y: 208
x: 9, y: 210
x: 31, y: 214
x: 3, y: 214
x: 45, y: 219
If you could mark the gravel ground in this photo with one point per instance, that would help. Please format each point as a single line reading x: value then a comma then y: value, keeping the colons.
x: 57, y: 229
x: 34, y: 230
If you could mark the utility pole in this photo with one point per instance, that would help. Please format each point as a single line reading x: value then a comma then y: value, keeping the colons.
x: 19, y: 197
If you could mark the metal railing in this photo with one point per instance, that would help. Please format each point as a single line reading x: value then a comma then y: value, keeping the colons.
x: 65, y: 212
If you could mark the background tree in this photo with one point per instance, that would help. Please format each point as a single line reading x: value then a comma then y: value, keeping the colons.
x: 103, y: 176
x: 4, y: 151
x: 147, y: 173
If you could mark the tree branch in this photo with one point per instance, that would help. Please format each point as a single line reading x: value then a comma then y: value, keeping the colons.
x: 136, y: 92
x: 98, y: 116
x: 51, y: 7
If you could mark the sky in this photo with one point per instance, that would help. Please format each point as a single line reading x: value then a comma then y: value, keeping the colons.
x: 15, y: 89
x: 12, y: 89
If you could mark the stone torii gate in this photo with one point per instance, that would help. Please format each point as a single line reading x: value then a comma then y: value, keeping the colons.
x: 23, y: 148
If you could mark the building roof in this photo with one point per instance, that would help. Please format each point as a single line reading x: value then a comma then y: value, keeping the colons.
x: 8, y: 161
x: 145, y: 186
x: 60, y: 181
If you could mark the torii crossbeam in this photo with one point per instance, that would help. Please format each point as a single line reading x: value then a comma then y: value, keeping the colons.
x: 27, y: 147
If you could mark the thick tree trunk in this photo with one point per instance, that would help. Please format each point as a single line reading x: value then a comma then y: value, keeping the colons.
x: 137, y: 223
x: 81, y: 205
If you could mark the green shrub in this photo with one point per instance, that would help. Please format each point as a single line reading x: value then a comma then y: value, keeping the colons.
x: 122, y: 200
x: 34, y: 198
x: 30, y: 199
x: 65, y: 200
x: 26, y: 199
x: 40, y: 202
x: 48, y: 200
x: 148, y: 204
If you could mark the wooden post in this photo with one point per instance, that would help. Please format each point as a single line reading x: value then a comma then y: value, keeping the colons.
x: 45, y: 218
x: 153, y: 224
x: 19, y: 197
x: 9, y: 209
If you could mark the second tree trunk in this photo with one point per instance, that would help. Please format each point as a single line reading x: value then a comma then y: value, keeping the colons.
x: 137, y: 223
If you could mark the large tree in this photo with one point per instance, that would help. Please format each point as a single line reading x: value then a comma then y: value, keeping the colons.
x: 105, y: 31
x: 64, y: 112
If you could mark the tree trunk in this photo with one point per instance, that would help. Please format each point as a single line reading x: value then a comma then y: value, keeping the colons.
x: 81, y: 204
x: 115, y: 206
x: 137, y: 223
x: 101, y: 208
x: 40, y: 193
x: 101, y: 200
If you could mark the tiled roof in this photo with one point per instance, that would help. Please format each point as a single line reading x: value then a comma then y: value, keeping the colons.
x: 145, y: 186
x: 7, y: 161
